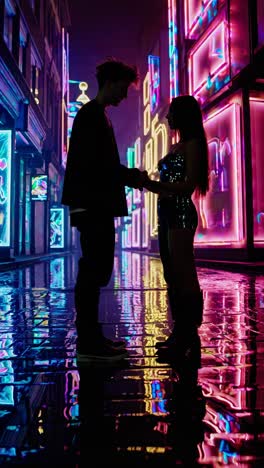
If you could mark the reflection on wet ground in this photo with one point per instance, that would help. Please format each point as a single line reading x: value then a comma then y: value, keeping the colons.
x: 148, y: 411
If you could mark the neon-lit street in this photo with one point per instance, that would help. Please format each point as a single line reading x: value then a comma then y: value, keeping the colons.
x: 142, y: 412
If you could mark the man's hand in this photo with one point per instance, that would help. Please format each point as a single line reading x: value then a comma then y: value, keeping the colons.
x: 143, y: 178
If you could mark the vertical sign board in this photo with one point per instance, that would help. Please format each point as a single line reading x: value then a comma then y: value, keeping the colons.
x: 209, y: 62
x: 5, y: 186
x: 220, y: 213
x: 199, y: 15
x: 57, y: 228
x: 154, y: 83
x: 257, y: 124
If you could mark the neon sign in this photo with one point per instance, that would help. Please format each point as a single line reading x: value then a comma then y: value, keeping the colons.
x: 257, y: 125
x: 209, y: 62
x: 220, y: 212
x: 56, y: 228
x: 173, y: 51
x: 5, y: 186
x: 154, y: 81
x: 39, y: 187
x: 155, y: 148
x: 260, y: 10
x: 198, y: 16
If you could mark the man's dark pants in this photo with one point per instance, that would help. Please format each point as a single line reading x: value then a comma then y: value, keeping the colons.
x: 97, y: 239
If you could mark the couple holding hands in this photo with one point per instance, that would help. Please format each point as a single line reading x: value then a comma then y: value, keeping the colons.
x: 94, y: 190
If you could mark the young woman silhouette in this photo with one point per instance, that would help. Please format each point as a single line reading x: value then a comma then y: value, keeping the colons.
x: 183, y: 171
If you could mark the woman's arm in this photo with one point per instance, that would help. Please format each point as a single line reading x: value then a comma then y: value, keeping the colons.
x: 192, y: 158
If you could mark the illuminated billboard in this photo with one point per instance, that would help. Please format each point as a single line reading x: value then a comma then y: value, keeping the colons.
x: 5, y: 186
x: 257, y: 125
x: 220, y: 213
x: 154, y: 81
x: 198, y: 16
x: 56, y: 228
x: 209, y: 61
x: 39, y: 187
x: 260, y: 12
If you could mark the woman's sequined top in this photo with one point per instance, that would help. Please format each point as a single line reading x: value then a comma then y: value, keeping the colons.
x: 177, y: 210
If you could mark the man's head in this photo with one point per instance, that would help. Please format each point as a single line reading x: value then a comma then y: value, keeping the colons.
x: 114, y: 77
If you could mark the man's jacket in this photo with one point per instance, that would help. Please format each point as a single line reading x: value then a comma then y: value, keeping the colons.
x: 94, y: 178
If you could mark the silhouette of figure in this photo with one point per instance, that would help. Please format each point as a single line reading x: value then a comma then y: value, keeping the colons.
x: 185, y: 404
x: 94, y: 190
x: 183, y: 171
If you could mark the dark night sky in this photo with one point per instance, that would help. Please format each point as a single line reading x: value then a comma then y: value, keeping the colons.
x: 101, y: 28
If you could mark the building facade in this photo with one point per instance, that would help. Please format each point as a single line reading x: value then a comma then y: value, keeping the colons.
x: 34, y: 73
x: 213, y: 50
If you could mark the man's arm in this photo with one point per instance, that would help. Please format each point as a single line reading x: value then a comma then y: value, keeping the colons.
x: 132, y: 177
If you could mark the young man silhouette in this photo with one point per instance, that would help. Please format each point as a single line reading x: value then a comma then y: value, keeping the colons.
x: 94, y: 189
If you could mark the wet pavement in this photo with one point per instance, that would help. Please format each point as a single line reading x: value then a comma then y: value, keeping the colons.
x: 145, y: 412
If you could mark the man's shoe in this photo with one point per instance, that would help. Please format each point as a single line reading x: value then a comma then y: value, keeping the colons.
x: 101, y: 353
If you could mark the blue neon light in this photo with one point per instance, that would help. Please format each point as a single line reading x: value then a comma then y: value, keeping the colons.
x: 154, y: 75
x: 56, y: 228
x: 5, y: 186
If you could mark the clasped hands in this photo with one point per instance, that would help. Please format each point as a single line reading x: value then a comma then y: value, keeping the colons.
x: 143, y: 180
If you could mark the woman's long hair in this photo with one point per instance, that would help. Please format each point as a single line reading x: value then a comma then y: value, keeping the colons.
x: 189, y: 121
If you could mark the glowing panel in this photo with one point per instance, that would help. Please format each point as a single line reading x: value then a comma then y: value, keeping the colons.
x: 257, y: 125
x: 209, y: 63
x: 128, y: 235
x: 173, y: 50
x: 137, y: 163
x: 260, y: 12
x: 160, y: 137
x: 39, y: 187
x: 239, y: 35
x: 154, y: 82
x: 149, y: 155
x: 136, y: 227
x: 56, y: 228
x: 198, y: 16
x: 130, y: 157
x: 5, y: 186
x: 146, y: 95
x: 129, y: 200
x: 221, y: 211
x: 138, y: 152
x: 145, y: 225
x: 137, y: 196
x: 147, y: 119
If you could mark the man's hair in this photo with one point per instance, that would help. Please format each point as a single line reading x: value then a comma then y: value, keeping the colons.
x: 115, y: 70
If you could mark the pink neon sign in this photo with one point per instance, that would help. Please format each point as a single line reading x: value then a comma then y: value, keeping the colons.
x: 260, y: 12
x: 209, y: 64
x: 220, y: 212
x: 257, y: 125
x: 198, y: 15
